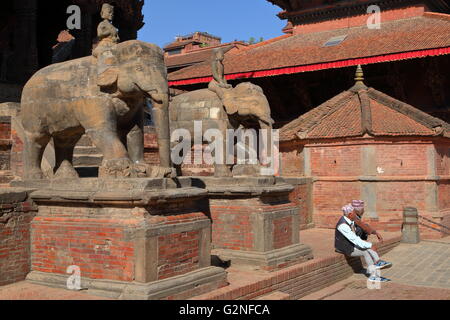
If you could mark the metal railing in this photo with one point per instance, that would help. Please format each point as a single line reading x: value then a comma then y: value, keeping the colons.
x: 435, y: 223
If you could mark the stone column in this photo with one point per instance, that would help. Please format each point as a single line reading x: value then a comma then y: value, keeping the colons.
x: 369, y: 185
x: 410, y: 229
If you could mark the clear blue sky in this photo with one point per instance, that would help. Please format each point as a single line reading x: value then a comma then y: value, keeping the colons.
x: 228, y: 19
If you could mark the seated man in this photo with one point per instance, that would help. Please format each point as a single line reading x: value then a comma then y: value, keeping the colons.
x: 362, y: 229
x: 349, y: 244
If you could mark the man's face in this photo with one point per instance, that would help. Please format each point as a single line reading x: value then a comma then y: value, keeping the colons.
x: 359, y: 213
x: 352, y: 215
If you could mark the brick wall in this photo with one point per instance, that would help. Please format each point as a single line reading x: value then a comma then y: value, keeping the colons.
x: 292, y: 160
x: 443, y: 159
x: 403, y: 159
x: 282, y: 232
x: 151, y: 152
x: 178, y: 254
x: 65, y: 236
x: 301, y: 196
x: 15, y: 220
x: 336, y: 161
x: 233, y: 226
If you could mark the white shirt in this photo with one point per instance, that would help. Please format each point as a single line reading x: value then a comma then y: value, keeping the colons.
x: 347, y: 231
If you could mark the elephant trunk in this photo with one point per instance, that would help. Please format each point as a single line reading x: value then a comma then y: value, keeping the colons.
x: 160, y: 104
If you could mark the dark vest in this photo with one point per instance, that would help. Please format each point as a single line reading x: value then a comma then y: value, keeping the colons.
x: 341, y: 243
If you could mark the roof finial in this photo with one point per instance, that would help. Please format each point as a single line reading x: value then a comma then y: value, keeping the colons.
x: 359, y: 75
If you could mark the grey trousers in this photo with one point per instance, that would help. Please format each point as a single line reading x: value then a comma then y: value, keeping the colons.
x: 370, y: 256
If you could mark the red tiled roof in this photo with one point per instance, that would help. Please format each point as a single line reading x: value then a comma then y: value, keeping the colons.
x: 426, y: 35
x: 362, y: 110
x: 193, y: 56
x: 178, y: 44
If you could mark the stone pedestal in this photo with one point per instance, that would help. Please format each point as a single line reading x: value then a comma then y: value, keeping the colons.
x: 254, y: 222
x: 131, y: 238
x: 410, y: 227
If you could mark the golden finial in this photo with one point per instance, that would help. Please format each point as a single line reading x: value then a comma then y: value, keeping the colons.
x: 359, y: 75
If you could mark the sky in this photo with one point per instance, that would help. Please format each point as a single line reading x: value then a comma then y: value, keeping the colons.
x: 229, y: 19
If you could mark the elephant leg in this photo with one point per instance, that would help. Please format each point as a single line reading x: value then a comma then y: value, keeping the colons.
x: 135, y: 139
x: 161, y: 119
x: 116, y: 162
x: 223, y: 169
x: 64, y: 157
x: 34, y: 149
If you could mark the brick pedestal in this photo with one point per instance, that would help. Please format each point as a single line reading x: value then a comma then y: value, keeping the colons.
x: 254, y: 222
x: 131, y: 239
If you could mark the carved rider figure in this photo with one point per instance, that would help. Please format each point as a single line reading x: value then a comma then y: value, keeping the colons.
x: 108, y: 37
x: 244, y: 99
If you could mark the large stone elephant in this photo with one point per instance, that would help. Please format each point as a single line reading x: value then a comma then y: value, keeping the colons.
x: 63, y: 101
x: 244, y: 106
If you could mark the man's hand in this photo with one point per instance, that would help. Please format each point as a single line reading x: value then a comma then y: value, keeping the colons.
x: 380, y: 238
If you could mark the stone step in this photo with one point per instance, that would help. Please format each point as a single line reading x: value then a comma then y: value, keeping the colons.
x: 85, y: 141
x: 87, y: 160
x: 86, y: 150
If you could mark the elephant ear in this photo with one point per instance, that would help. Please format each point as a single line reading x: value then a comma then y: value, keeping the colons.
x: 108, y: 77
x: 230, y: 102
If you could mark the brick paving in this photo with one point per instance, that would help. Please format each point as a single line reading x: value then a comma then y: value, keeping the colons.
x: 28, y: 291
x: 424, y: 264
x: 420, y: 272
x: 355, y: 288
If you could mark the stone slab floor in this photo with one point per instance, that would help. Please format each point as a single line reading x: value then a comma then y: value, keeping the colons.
x: 420, y: 272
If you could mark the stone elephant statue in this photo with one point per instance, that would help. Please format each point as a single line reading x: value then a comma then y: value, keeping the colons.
x: 244, y: 106
x: 63, y: 101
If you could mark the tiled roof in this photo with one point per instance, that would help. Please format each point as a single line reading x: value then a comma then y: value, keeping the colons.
x: 428, y: 32
x: 178, y: 44
x: 193, y: 57
x: 362, y: 110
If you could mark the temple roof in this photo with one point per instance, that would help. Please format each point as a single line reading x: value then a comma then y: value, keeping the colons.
x: 301, y: 10
x: 360, y: 111
x: 415, y: 37
x: 196, y: 56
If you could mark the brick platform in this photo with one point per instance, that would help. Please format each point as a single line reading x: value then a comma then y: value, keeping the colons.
x: 16, y: 214
x: 132, y: 239
x: 254, y: 222
x: 298, y: 280
x: 294, y: 282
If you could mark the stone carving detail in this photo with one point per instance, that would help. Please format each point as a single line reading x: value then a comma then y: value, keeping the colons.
x: 108, y: 37
x: 223, y: 107
x: 103, y: 97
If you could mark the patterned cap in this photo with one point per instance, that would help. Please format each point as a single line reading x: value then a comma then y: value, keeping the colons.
x: 358, y: 204
x: 347, y: 209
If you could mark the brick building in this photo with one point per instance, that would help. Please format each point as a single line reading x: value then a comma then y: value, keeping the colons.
x: 195, y: 48
x: 364, y: 144
x: 407, y: 58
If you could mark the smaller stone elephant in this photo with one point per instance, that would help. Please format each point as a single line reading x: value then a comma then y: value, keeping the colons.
x: 222, y: 108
